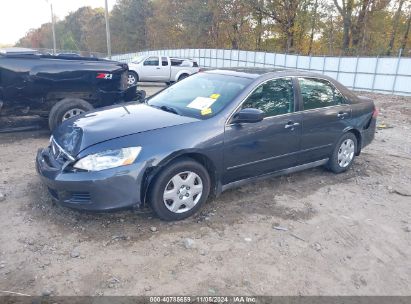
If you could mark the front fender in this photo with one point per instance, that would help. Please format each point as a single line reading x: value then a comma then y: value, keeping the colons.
x: 156, y: 166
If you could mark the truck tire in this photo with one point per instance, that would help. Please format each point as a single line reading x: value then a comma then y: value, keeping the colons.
x: 182, y: 76
x: 65, y: 109
x: 132, y: 78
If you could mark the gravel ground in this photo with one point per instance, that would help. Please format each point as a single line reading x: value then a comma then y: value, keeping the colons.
x: 309, y: 233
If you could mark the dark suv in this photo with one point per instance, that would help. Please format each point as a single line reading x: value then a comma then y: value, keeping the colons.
x: 59, y: 87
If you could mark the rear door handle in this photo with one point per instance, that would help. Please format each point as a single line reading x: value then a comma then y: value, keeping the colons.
x: 292, y: 125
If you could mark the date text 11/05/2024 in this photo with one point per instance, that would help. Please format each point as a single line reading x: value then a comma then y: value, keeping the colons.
x: 203, y: 299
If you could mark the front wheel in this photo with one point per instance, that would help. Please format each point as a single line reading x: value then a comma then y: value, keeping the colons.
x: 180, y: 190
x: 343, y: 154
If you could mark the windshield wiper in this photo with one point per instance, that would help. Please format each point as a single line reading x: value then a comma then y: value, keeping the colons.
x: 165, y: 108
x: 169, y: 109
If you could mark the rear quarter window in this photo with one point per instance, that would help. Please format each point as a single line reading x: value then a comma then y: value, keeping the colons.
x: 176, y: 62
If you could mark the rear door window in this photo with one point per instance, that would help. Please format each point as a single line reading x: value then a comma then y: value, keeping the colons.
x: 164, y: 61
x: 319, y: 93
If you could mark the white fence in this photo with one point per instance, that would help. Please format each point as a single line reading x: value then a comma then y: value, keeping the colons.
x: 376, y: 74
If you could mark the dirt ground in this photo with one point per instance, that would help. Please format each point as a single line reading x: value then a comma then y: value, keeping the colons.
x: 346, y: 234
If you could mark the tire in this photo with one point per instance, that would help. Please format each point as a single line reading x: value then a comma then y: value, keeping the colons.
x: 182, y: 76
x: 132, y: 78
x: 160, y: 197
x: 343, y: 154
x: 60, y: 110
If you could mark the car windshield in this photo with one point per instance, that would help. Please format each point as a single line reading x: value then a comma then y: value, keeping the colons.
x: 201, y: 95
x: 138, y: 59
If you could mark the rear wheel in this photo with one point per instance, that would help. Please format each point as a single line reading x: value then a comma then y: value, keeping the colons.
x: 179, y: 190
x: 66, y: 109
x: 343, y: 154
x: 183, y: 76
x: 132, y: 78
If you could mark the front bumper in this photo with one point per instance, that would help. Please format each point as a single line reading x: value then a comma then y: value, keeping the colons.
x: 105, y: 190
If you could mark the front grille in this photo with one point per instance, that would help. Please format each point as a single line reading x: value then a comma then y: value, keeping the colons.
x: 80, y: 197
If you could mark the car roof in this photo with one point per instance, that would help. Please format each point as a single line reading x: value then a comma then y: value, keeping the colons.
x: 256, y: 72
x: 267, y: 73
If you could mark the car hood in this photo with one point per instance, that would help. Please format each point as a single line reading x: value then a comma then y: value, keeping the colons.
x: 95, y: 127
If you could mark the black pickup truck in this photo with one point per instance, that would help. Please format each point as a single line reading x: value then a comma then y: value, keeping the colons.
x: 59, y: 87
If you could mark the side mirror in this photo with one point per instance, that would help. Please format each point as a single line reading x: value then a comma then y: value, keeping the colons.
x: 248, y: 115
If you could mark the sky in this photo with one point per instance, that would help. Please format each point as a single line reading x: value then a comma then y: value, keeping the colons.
x: 19, y: 16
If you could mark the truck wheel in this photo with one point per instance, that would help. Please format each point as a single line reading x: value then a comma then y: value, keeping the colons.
x: 132, y: 78
x: 66, y: 109
x: 182, y: 76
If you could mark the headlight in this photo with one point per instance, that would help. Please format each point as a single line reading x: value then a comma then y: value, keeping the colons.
x: 108, y: 159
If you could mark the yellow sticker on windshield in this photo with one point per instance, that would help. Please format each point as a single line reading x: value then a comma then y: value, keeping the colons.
x: 215, y: 96
x: 206, y: 111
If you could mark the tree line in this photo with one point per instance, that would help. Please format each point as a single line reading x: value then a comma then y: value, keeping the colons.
x: 317, y: 27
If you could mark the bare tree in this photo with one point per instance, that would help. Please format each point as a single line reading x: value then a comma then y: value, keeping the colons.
x: 407, y: 31
x: 284, y: 13
x: 396, y: 21
x: 359, y: 27
x: 345, y: 10
x: 331, y: 36
x: 259, y: 29
x: 313, y: 25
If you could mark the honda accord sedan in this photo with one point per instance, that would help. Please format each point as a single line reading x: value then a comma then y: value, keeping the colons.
x: 210, y: 132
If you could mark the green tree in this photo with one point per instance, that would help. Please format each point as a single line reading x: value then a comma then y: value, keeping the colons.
x: 128, y: 23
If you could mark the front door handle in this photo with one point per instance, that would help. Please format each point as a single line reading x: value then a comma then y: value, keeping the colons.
x: 292, y: 125
x: 342, y: 114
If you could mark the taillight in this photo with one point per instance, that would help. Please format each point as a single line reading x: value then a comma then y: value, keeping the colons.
x: 375, y: 113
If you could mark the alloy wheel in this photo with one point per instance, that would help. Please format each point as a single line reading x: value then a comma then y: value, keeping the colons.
x: 131, y: 79
x: 71, y: 113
